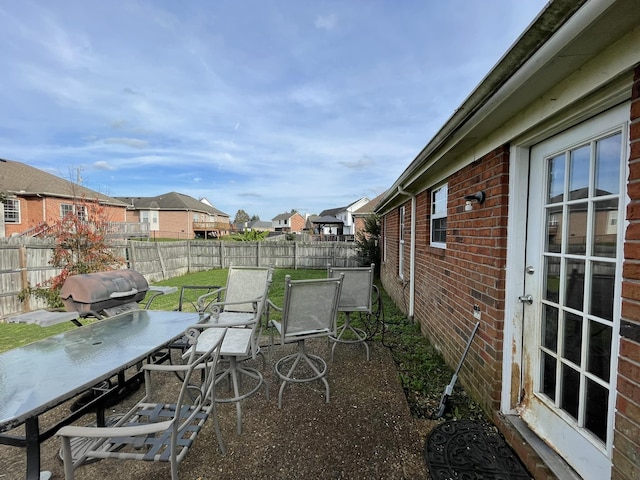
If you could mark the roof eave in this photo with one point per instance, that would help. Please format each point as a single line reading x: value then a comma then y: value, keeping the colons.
x: 543, y: 27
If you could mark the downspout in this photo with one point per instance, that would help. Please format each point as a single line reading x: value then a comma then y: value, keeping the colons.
x: 412, y: 254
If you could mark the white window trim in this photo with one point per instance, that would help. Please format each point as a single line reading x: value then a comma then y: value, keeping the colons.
x: 16, y: 203
x: 438, y: 215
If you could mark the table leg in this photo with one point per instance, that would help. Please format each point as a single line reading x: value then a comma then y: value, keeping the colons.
x: 32, y: 438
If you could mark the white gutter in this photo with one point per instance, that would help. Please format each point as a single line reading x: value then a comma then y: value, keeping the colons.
x: 412, y: 254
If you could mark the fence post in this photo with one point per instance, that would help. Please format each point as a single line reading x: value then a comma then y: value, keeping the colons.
x: 257, y: 254
x: 295, y: 255
x: 164, y: 271
x: 24, y: 276
x: 132, y: 254
x: 222, y: 254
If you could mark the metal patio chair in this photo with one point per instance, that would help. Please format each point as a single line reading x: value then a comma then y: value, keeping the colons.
x: 357, y: 295
x: 309, y: 311
x: 156, y: 430
x: 239, y: 305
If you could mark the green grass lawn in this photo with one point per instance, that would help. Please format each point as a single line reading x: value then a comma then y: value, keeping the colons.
x: 14, y: 335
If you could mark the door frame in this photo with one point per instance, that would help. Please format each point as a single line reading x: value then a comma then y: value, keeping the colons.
x: 512, y: 367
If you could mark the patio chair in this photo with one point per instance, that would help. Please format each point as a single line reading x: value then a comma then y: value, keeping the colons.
x: 309, y: 311
x: 190, y: 294
x: 356, y: 297
x: 239, y: 306
x: 154, y: 430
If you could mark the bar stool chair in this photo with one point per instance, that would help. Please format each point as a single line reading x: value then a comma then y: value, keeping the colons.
x: 309, y: 311
x: 356, y: 297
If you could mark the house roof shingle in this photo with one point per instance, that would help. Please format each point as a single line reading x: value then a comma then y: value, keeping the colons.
x: 24, y: 180
x: 284, y: 216
x: 171, y: 201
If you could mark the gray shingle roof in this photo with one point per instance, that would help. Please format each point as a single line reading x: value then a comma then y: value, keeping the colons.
x: 25, y: 180
x: 283, y: 216
x: 171, y: 201
x: 368, y: 208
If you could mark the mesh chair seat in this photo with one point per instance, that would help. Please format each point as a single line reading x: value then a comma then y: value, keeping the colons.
x: 156, y: 430
x: 309, y: 311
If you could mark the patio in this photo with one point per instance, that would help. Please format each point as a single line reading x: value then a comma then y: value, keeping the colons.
x: 366, y: 431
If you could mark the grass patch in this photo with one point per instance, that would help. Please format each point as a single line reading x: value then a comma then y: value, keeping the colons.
x: 422, y: 370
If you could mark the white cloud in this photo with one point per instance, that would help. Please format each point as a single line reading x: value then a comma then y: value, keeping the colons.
x: 251, y: 106
x: 128, y: 142
x: 326, y: 22
x: 102, y: 165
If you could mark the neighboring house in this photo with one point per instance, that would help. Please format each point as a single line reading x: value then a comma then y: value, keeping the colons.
x: 175, y: 215
x: 309, y: 227
x: 35, y: 198
x: 258, y: 226
x: 523, y: 214
x: 345, y: 214
x: 290, y: 222
x: 360, y: 216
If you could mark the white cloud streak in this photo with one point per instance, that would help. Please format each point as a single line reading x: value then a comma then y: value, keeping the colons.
x: 253, y: 105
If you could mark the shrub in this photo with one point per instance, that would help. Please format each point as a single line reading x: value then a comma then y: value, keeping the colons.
x: 81, y: 246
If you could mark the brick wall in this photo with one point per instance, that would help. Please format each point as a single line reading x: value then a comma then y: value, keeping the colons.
x: 35, y: 210
x: 470, y: 271
x: 175, y: 224
x: 393, y: 284
x: 297, y: 223
x: 626, y: 453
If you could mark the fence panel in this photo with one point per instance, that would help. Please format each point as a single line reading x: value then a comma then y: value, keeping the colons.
x: 25, y: 261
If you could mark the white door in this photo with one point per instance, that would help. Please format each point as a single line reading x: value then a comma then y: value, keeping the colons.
x: 573, y: 264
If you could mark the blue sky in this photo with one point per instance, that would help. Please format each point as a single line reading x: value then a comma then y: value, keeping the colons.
x: 261, y: 105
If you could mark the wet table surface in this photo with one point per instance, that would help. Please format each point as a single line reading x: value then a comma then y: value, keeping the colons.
x: 43, y: 374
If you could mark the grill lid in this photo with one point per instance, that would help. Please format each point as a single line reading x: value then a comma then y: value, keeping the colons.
x: 97, y: 291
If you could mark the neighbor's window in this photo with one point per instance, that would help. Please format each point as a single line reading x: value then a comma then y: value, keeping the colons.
x: 65, y: 209
x: 79, y: 210
x: 11, y: 211
x: 439, y: 216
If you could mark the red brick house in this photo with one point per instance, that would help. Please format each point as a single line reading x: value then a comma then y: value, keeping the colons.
x: 289, y: 222
x: 360, y: 216
x: 34, y: 197
x: 523, y: 214
x: 176, y: 215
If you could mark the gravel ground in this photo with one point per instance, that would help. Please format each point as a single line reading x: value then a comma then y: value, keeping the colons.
x: 366, y: 431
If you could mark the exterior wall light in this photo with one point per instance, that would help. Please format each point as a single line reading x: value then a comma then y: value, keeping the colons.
x: 476, y: 197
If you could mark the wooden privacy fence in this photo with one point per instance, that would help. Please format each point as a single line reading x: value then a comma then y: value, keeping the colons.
x: 25, y: 261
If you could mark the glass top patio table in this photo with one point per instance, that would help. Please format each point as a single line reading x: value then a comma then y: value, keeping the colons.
x: 37, y: 377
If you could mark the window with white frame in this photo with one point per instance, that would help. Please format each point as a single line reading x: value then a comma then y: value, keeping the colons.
x: 150, y: 217
x: 401, y: 249
x: 65, y: 209
x: 439, y: 216
x: 11, y: 210
x: 79, y: 210
x: 384, y: 239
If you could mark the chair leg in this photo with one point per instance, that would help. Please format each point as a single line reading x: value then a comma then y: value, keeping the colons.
x: 68, y: 461
x: 361, y: 336
x: 234, y: 373
x: 311, y: 362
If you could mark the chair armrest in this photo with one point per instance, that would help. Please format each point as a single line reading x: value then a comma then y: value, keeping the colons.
x: 156, y: 291
x: 202, y: 299
x: 255, y: 301
x: 270, y: 306
x: 101, y: 432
